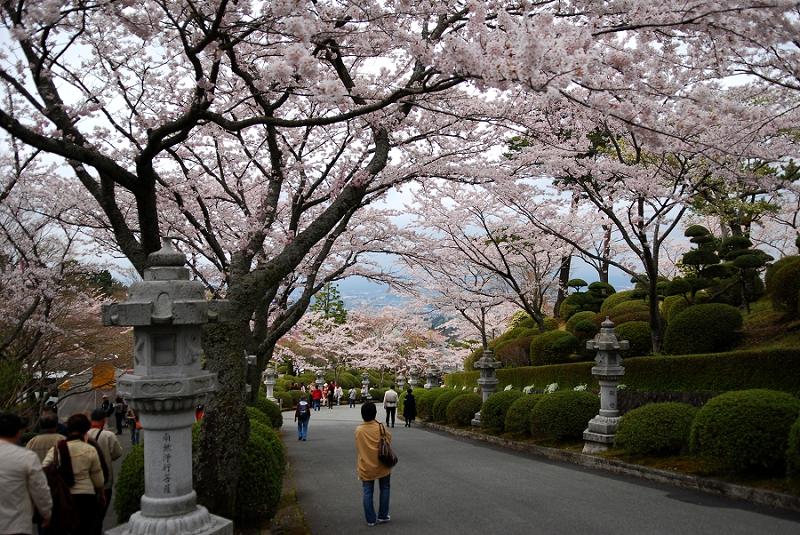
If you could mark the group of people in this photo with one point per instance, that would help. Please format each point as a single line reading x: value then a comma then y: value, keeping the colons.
x: 124, y: 416
x: 82, y: 452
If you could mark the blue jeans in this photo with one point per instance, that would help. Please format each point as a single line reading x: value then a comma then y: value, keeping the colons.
x: 302, y: 428
x: 383, y: 502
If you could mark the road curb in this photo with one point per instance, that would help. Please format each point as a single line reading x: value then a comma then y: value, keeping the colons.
x: 614, y: 466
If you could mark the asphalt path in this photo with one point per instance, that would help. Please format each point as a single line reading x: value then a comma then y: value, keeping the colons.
x: 445, y: 485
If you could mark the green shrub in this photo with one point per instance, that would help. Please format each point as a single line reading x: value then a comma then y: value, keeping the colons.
x: 257, y: 415
x: 563, y: 415
x: 615, y: 299
x: 552, y: 347
x: 259, y: 486
x: 549, y: 324
x: 377, y: 394
x: 425, y: 402
x: 518, y: 417
x: 793, y: 451
x: 637, y: 333
x: 515, y: 352
x: 286, y: 399
x: 746, y: 430
x: 273, y: 439
x: 439, y: 409
x: 571, y: 305
x: 672, y: 306
x: 129, y: 487
x: 585, y: 330
x: 462, y: 409
x: 769, y: 281
x: 271, y: 410
x: 785, y: 282
x: 578, y: 317
x: 521, y: 319
x: 348, y: 380
x: 401, y: 401
x: 656, y: 429
x: 494, y: 409
x: 706, y: 328
x: 626, y: 311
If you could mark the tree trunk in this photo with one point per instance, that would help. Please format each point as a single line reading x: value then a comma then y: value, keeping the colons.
x: 225, y: 425
x: 656, y: 327
x: 604, y: 263
x: 563, y: 278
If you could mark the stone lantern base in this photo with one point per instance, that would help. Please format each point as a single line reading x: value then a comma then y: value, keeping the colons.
x: 600, y: 434
x: 476, y: 420
x: 197, y: 522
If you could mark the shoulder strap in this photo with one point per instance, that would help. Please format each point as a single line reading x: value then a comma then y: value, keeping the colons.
x: 97, y: 436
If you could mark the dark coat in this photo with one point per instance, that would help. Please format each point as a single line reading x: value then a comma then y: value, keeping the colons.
x: 410, y: 407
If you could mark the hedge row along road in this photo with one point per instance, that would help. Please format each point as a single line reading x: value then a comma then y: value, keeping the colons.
x: 444, y: 485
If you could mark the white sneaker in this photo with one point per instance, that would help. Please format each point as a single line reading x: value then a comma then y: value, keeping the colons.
x: 384, y: 520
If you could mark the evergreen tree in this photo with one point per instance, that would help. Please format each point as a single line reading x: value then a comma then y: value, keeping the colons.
x: 329, y: 302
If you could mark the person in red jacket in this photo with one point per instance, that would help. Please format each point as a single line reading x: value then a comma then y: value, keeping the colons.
x: 316, y: 397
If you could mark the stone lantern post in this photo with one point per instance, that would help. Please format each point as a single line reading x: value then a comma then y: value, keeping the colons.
x: 433, y: 377
x: 320, y: 379
x: 270, y: 374
x: 401, y: 381
x: 412, y: 380
x: 488, y: 379
x: 365, y: 380
x: 167, y: 312
x: 599, y: 436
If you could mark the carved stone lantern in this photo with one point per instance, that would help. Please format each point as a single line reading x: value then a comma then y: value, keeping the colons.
x: 167, y: 312
x: 488, y: 379
x: 365, y: 380
x: 432, y: 376
x: 320, y: 379
x: 401, y: 381
x: 599, y: 436
x: 412, y: 380
x: 270, y: 375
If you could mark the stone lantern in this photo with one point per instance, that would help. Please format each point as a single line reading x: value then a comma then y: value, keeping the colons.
x: 412, y: 380
x: 320, y: 379
x: 599, y: 436
x: 433, y: 377
x: 270, y: 374
x: 167, y: 312
x: 488, y: 379
x: 401, y: 381
x: 365, y: 380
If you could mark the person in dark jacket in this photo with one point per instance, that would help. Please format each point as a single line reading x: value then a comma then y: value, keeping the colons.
x: 409, y: 408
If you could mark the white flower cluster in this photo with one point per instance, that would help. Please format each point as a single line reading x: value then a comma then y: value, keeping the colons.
x: 528, y: 389
x: 507, y: 388
x: 621, y: 387
x: 552, y: 387
x: 580, y: 388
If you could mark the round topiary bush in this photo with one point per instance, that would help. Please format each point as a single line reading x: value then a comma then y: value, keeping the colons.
x: 425, y: 402
x: 672, y: 306
x: 626, y: 311
x: 637, y: 333
x: 615, y: 299
x: 494, y: 409
x: 563, y: 415
x: 273, y: 439
x: 129, y: 487
x: 271, y: 410
x: 257, y: 415
x: 518, y: 417
x: 258, y: 489
x: 579, y: 317
x: 656, y: 429
x: 769, y: 281
x: 286, y: 399
x: 462, y: 409
x: 515, y: 352
x: 785, y: 282
x: 552, y: 347
x: 746, y: 430
x: 706, y: 328
x: 377, y: 394
x: 585, y: 330
x: 439, y: 409
x: 793, y: 451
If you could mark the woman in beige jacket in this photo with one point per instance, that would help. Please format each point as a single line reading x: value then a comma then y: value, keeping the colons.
x: 369, y: 468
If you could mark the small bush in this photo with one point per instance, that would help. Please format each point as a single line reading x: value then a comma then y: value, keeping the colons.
x: 494, y: 409
x: 257, y: 415
x: 377, y: 394
x: 129, y: 487
x: 425, y: 402
x: 746, y: 430
x: 656, y: 429
x: 515, y: 352
x: 785, y: 281
x: 552, y: 347
x: 462, y: 409
x: 626, y: 311
x: 259, y: 486
x: 707, y: 328
x: 271, y: 410
x: 563, y: 415
x: 287, y: 402
x: 585, y: 330
x: 637, y: 333
x: 615, y: 299
x: 672, y: 306
x: 439, y: 409
x: 273, y: 439
x: 518, y: 417
x: 579, y: 317
x: 793, y: 451
x: 769, y: 280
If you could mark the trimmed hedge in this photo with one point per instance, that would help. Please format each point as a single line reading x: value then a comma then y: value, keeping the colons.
x: 518, y: 417
x: 129, y: 485
x: 578, y: 317
x: 552, y: 347
x: 615, y: 299
x: 271, y: 410
x: 793, y: 451
x: 769, y: 280
x: 656, y: 429
x: 785, y: 284
x: 711, y: 327
x: 563, y: 415
x: 425, y: 402
x: 462, y: 409
x: 637, y: 333
x: 745, y: 431
x: 672, y: 306
x: 439, y: 409
x: 273, y: 439
x: 494, y: 409
x: 515, y: 352
x: 258, y: 416
x: 258, y: 489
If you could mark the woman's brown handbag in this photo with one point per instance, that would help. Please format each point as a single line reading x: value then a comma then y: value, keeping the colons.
x: 64, y: 518
x: 385, y: 454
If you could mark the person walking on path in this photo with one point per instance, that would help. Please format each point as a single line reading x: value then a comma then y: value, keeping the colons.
x: 120, y: 408
x: 111, y: 450
x: 302, y: 415
x: 351, y: 396
x: 133, y: 424
x: 22, y: 480
x: 316, y: 396
x: 80, y: 465
x: 331, y: 397
x: 390, y: 404
x: 369, y: 468
x: 339, y: 394
x: 48, y: 436
x: 409, y: 408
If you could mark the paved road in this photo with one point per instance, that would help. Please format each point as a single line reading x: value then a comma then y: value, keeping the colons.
x: 445, y: 485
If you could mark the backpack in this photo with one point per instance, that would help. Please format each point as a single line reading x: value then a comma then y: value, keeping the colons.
x: 302, y: 409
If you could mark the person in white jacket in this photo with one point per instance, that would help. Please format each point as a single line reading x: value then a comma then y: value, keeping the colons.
x: 390, y: 404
